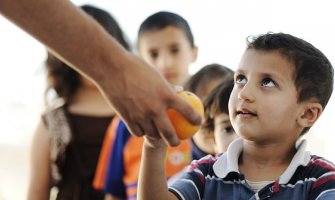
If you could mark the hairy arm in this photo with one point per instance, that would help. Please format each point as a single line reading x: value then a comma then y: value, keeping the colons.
x: 39, y: 184
x: 152, y: 182
x: 125, y: 80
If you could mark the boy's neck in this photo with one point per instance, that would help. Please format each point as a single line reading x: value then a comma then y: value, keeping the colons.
x: 265, y: 162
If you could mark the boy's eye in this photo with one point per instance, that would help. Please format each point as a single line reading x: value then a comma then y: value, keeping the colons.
x: 240, y: 79
x: 153, y: 54
x: 174, y: 50
x: 268, y: 82
x: 228, y: 129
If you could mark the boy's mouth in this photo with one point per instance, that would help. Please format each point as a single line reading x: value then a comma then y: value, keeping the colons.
x: 245, y: 113
x: 169, y: 76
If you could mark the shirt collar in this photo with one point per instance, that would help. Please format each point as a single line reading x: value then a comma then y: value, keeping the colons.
x: 301, y: 158
x: 228, y: 162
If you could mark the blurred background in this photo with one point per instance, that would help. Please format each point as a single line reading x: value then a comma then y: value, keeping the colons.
x: 220, y: 29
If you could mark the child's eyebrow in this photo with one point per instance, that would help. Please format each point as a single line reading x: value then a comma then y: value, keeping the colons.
x: 223, y: 121
x: 266, y: 75
x: 239, y: 71
x: 273, y: 76
x: 174, y: 44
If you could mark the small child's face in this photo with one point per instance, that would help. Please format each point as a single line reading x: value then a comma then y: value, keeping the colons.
x: 169, y: 51
x: 223, y: 132
x: 263, y: 105
x: 204, y: 139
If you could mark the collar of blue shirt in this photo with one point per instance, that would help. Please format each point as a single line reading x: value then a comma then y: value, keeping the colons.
x: 228, y: 162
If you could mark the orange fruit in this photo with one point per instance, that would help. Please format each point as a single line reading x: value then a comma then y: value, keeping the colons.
x: 185, y: 129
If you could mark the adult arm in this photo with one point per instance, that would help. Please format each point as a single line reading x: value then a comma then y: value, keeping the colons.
x: 39, y: 184
x: 111, y: 197
x: 137, y: 92
x: 152, y: 182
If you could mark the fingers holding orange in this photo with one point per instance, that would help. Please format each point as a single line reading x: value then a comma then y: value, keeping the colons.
x: 183, y: 128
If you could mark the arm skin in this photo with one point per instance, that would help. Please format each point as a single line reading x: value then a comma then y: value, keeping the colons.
x: 152, y: 184
x: 136, y: 90
x: 111, y: 197
x: 39, y: 185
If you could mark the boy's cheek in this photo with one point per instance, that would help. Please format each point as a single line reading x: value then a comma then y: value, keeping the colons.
x: 232, y: 102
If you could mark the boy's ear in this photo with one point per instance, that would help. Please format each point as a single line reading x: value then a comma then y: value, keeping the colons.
x: 312, y: 112
x: 195, y: 53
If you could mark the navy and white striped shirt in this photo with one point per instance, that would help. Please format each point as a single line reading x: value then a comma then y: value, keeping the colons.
x: 307, y: 177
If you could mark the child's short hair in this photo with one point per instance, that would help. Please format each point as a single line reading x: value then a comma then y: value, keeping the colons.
x: 205, y: 74
x: 217, y: 101
x: 163, y: 19
x: 312, y: 73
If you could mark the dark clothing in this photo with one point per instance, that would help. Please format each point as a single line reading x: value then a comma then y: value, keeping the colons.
x: 197, y: 153
x: 78, y: 164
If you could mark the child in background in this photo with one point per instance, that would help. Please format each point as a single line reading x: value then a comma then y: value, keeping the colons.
x: 282, y: 85
x: 68, y: 139
x: 165, y: 41
x: 201, y: 83
x: 217, y: 119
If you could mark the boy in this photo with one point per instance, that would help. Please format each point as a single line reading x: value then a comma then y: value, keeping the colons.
x: 166, y: 42
x: 281, y: 87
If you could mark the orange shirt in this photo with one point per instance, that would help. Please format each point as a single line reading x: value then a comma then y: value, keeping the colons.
x: 125, y: 160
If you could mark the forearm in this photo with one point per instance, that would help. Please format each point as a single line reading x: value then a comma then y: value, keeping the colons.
x: 68, y: 32
x: 39, y: 183
x: 152, y: 182
x: 84, y: 45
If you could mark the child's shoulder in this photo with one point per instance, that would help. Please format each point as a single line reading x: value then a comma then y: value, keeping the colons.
x: 317, y: 170
x: 321, y: 173
x: 320, y: 164
x: 206, y: 161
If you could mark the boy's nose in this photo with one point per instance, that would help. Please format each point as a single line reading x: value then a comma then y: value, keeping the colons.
x: 246, y: 93
x: 164, y: 62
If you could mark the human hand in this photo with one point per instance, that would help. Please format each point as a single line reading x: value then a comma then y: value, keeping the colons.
x: 141, y: 97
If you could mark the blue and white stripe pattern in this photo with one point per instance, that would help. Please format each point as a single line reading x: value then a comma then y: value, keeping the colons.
x: 307, y: 177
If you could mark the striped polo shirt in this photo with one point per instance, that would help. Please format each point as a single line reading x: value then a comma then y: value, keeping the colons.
x: 210, y: 178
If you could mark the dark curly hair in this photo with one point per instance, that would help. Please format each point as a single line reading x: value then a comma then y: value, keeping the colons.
x: 62, y: 78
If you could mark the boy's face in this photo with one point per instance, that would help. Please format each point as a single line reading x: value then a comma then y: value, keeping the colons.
x: 263, y: 104
x: 223, y: 132
x: 169, y: 51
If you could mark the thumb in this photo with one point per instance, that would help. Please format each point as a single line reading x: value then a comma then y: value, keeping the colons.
x: 186, y: 110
